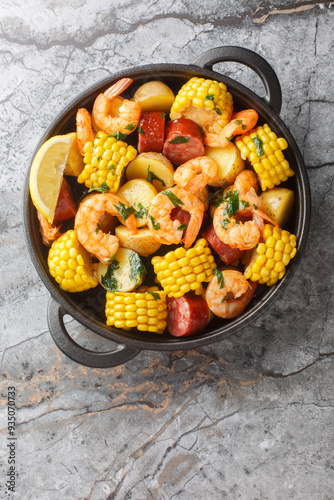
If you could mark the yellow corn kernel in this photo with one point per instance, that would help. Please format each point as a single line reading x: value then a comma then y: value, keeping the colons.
x: 105, y: 161
x: 210, y: 96
x: 264, y: 150
x: 183, y: 270
x: 70, y: 265
x: 145, y: 309
x: 270, y: 258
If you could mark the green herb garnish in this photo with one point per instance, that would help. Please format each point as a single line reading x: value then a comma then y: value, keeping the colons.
x: 119, y: 136
x: 108, y: 280
x: 183, y: 226
x: 259, y: 146
x: 97, y: 229
x: 112, y: 166
x: 240, y: 122
x: 124, y: 211
x: 232, y: 205
x: 224, y: 223
x: 137, y: 268
x: 217, y: 198
x: 173, y: 198
x: 162, y: 115
x: 155, y: 295
x: 151, y: 177
x: 155, y: 225
x: 223, y: 299
x: 101, y: 189
x: 220, y: 277
x: 179, y: 140
x: 130, y: 126
x: 141, y: 212
x: 141, y: 130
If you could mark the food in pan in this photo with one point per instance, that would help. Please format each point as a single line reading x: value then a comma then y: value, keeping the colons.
x: 181, y: 184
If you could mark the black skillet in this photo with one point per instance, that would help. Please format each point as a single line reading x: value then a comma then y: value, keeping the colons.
x: 88, y: 307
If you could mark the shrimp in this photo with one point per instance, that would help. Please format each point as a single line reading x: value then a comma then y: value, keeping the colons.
x: 113, y: 114
x: 168, y: 231
x: 49, y: 232
x: 229, y: 293
x: 233, y: 232
x: 86, y: 224
x: 245, y: 180
x: 196, y: 173
x: 241, y: 123
x: 85, y: 131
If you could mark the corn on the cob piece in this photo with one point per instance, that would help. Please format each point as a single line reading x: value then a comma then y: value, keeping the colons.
x: 181, y: 270
x: 265, y: 152
x: 105, y: 160
x: 270, y: 258
x: 145, y: 309
x: 70, y: 264
x: 207, y: 96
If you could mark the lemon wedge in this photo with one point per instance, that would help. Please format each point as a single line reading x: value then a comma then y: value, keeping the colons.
x: 47, y: 171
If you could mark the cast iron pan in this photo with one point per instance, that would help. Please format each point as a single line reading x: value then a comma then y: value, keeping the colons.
x: 88, y: 307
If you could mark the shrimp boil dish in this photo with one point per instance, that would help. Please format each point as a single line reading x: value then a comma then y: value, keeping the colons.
x: 174, y: 204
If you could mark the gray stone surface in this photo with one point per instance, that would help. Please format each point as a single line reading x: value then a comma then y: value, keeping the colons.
x: 249, y: 417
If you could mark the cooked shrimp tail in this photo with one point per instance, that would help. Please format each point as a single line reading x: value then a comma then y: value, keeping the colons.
x: 226, y: 292
x: 85, y: 131
x: 112, y: 113
x: 87, y: 228
x: 241, y: 123
x: 118, y: 87
x: 195, y: 174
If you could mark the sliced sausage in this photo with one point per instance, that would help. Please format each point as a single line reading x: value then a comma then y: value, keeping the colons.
x: 225, y: 252
x: 66, y: 207
x: 184, y: 140
x: 151, y: 131
x: 187, y: 315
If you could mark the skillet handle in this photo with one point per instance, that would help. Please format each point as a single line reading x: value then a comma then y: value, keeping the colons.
x: 121, y: 354
x: 254, y: 61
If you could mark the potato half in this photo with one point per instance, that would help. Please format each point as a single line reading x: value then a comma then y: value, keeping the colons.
x: 278, y: 204
x: 229, y: 162
x: 154, y: 96
x: 154, y: 168
x: 143, y: 242
x: 139, y: 193
x: 125, y: 273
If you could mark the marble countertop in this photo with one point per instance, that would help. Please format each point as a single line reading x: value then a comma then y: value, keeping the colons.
x: 249, y: 417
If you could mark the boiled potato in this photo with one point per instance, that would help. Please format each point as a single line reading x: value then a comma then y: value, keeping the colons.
x: 229, y: 162
x: 154, y: 168
x: 143, y: 242
x: 139, y: 193
x: 154, y: 96
x: 124, y: 273
x: 278, y: 204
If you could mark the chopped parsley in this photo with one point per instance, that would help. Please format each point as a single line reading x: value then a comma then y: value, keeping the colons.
x: 155, y: 225
x: 223, y: 299
x: 211, y: 97
x: 119, y: 136
x: 232, y: 205
x: 155, y: 295
x: 173, y: 198
x: 124, y: 211
x: 259, y: 146
x: 101, y: 189
x: 141, y: 212
x: 162, y: 115
x: 179, y: 140
x: 137, y: 268
x: 183, y: 226
x: 220, y: 277
x: 112, y: 166
x: 97, y: 229
x: 152, y: 177
x: 109, y: 280
x: 240, y: 122
x: 218, y: 197
x: 130, y: 126
x: 141, y: 130
x: 225, y: 222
